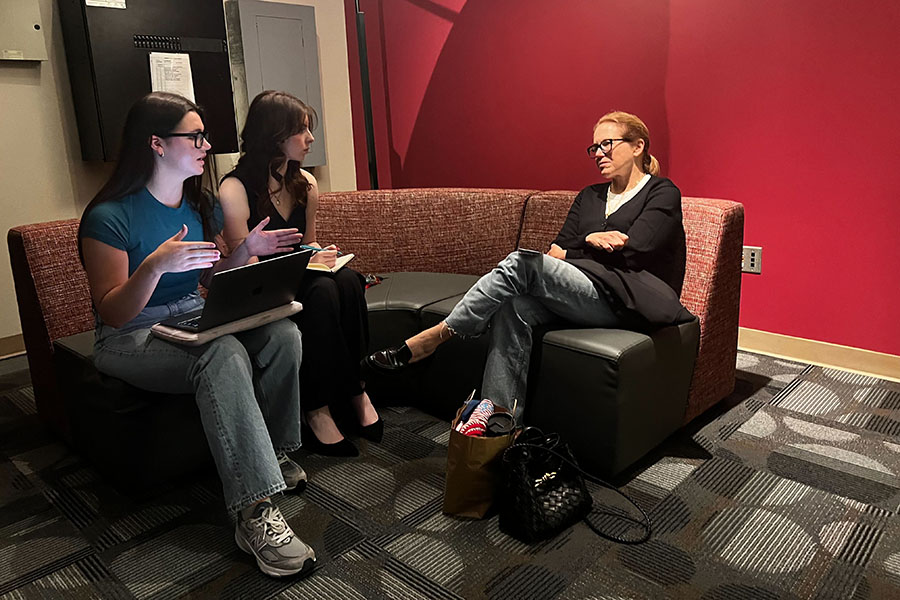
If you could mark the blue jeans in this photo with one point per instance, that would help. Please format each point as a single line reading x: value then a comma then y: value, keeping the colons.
x: 523, y: 291
x: 245, y: 385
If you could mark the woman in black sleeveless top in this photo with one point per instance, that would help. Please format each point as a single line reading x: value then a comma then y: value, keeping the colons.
x: 268, y: 184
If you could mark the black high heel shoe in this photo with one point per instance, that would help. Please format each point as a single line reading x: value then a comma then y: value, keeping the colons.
x: 373, y: 432
x: 343, y: 448
x: 389, y: 360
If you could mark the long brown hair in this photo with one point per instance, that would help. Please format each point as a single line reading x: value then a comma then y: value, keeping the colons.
x: 634, y: 130
x: 157, y: 114
x: 273, y: 117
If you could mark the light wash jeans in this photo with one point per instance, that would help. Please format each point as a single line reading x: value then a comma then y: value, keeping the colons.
x: 523, y: 291
x: 245, y: 385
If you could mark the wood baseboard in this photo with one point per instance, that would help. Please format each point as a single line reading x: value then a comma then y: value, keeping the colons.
x: 12, y: 345
x: 857, y: 360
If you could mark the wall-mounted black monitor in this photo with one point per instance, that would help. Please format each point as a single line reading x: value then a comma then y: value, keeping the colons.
x: 108, y: 46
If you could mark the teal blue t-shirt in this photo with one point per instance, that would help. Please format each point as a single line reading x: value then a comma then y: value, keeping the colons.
x: 138, y: 224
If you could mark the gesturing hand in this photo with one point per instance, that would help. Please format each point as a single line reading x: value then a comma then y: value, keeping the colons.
x: 607, y: 240
x: 327, y: 256
x: 260, y: 242
x: 176, y: 256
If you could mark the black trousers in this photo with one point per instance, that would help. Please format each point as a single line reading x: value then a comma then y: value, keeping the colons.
x: 335, y: 326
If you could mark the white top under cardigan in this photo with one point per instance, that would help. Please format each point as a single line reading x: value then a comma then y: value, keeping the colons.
x: 615, y: 201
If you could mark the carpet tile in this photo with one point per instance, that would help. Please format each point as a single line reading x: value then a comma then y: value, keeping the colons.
x: 788, y: 489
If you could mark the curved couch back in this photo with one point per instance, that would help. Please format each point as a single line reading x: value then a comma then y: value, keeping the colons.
x: 441, y: 230
x: 437, y: 230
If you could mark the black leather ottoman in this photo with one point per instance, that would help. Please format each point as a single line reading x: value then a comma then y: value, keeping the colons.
x: 613, y: 394
x: 135, y: 438
x: 395, y: 305
x: 396, y: 313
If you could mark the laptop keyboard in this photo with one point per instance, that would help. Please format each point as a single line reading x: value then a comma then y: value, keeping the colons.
x: 191, y: 323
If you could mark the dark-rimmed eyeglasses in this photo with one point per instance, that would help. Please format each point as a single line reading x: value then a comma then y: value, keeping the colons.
x: 198, y: 136
x: 604, y: 146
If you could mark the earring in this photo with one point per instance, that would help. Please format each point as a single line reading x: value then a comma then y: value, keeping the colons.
x: 162, y: 154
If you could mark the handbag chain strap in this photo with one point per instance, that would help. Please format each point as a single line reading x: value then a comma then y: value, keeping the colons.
x: 644, y: 522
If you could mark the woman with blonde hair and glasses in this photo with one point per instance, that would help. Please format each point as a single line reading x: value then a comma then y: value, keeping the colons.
x: 618, y: 262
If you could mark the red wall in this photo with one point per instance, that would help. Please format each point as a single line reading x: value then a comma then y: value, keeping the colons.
x: 786, y: 107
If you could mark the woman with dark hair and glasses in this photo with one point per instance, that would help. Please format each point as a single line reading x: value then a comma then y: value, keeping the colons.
x: 146, y: 241
x: 269, y: 186
x: 618, y: 262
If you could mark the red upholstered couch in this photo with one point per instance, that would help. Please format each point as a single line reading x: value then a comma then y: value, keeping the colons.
x: 449, y: 231
x: 470, y: 230
x: 54, y: 302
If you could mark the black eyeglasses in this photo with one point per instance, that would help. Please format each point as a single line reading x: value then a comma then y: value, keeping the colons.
x: 198, y: 136
x: 604, y: 146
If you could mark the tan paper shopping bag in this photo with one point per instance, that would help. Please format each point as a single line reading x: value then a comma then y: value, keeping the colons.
x: 473, y: 471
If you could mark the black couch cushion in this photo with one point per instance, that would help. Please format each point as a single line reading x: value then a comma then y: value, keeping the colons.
x: 136, y: 438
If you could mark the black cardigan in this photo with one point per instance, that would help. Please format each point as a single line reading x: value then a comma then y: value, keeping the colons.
x: 644, y: 279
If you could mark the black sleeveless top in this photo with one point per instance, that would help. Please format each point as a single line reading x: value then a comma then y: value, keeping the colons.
x: 296, y: 219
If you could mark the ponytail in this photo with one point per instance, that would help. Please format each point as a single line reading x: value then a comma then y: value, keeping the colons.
x: 634, y: 129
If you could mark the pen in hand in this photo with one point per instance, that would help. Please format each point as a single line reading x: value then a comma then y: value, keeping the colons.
x: 317, y: 249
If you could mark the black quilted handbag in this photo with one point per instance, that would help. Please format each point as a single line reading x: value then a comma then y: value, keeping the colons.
x: 544, y: 491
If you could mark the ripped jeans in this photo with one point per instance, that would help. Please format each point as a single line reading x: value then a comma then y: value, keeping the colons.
x: 523, y: 291
x: 245, y: 385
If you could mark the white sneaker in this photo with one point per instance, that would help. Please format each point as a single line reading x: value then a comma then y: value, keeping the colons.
x: 268, y: 537
x: 294, y: 475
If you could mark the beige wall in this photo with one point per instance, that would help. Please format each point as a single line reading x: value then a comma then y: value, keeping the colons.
x: 42, y: 176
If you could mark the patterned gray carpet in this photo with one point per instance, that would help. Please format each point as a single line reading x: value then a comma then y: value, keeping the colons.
x: 789, y: 489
